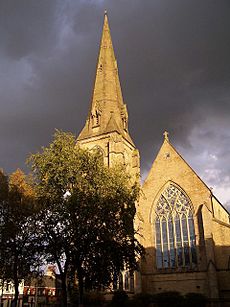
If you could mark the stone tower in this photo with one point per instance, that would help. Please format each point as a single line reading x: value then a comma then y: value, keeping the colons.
x: 106, y: 127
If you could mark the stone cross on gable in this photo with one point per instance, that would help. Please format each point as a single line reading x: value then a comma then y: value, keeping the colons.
x: 166, y: 135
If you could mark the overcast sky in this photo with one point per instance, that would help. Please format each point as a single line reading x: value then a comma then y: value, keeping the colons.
x: 174, y: 65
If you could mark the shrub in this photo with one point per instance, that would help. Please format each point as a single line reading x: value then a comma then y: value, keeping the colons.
x: 93, y: 298
x: 74, y: 297
x: 170, y: 298
x: 195, y: 299
x: 141, y: 300
x: 120, y: 298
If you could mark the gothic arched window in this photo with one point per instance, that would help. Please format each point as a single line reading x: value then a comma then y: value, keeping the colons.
x: 98, y: 150
x: 174, y: 228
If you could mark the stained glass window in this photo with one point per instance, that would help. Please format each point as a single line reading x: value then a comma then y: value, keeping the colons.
x: 174, y: 229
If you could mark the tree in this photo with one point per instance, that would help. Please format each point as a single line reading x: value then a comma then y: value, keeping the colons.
x: 3, y: 200
x: 87, y: 213
x: 18, y: 248
x: 55, y: 171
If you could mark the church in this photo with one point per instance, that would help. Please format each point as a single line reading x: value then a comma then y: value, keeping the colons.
x: 183, y: 227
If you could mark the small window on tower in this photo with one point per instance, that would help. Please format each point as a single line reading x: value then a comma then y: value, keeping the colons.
x: 124, y: 120
x: 96, y: 119
x: 124, y: 116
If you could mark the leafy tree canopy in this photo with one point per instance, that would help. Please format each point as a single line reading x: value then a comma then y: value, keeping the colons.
x: 87, y: 212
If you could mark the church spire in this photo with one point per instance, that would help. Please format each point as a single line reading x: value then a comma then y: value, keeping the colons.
x: 108, y: 112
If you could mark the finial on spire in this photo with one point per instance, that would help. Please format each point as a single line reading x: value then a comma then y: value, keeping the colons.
x: 166, y: 135
x: 105, y: 12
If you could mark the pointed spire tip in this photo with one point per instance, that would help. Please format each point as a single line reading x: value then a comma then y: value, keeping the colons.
x: 105, y: 12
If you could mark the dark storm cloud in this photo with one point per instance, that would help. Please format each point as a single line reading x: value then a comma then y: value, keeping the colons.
x: 27, y: 26
x: 174, y: 65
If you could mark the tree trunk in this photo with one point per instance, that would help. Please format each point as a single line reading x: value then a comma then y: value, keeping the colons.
x: 2, y: 286
x: 80, y: 285
x: 16, y: 283
x: 64, y: 290
x: 63, y: 273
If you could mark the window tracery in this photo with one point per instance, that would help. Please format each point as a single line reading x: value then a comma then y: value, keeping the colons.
x: 175, y: 232
x: 98, y: 150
